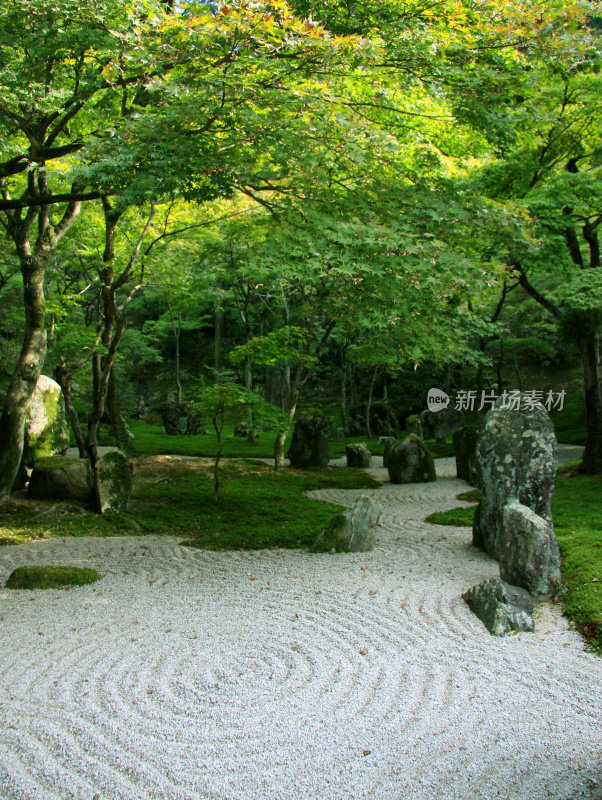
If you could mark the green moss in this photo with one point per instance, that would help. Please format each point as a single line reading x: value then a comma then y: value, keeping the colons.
x: 471, y: 496
x: 55, y: 462
x: 329, y: 540
x: 412, y: 419
x: 50, y: 577
x: 455, y: 516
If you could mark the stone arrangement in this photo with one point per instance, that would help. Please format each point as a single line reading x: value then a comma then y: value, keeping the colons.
x: 515, y: 464
x: 410, y: 462
x: 516, y: 459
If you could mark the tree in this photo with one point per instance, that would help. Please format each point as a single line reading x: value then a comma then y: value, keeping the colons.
x: 158, y: 104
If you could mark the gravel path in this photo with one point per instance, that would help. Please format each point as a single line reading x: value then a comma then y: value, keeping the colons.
x: 190, y: 675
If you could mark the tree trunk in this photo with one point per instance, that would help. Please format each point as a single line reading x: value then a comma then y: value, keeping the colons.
x: 64, y: 379
x: 369, y: 404
x: 344, y: 410
x: 26, y: 374
x: 219, y: 339
x: 176, y: 331
x: 592, y: 456
x: 118, y: 426
x: 300, y: 377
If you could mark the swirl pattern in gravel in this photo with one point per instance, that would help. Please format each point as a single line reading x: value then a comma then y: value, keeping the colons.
x: 191, y: 675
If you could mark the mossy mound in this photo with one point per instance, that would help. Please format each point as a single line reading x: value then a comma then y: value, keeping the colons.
x: 50, y: 577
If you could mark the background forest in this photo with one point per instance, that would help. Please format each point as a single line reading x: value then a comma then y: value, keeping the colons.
x: 328, y: 204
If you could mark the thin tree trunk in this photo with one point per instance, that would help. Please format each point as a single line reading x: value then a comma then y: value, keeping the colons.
x: 592, y: 456
x: 176, y: 331
x: 300, y: 378
x: 344, y: 410
x: 64, y: 379
x: 369, y: 403
x: 219, y: 339
x: 118, y: 426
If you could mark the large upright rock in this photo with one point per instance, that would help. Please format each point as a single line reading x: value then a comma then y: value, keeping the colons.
x: 46, y: 431
x: 389, y: 443
x: 439, y: 424
x: 529, y: 555
x: 310, y: 445
x: 465, y: 449
x: 516, y: 459
x: 411, y: 462
x: 113, y: 481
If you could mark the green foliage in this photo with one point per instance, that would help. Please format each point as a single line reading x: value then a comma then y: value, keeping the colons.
x: 54, y: 577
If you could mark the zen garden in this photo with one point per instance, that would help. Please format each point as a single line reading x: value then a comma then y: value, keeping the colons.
x: 300, y: 400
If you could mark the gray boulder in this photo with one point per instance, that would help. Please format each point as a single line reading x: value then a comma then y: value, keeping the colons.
x: 529, y: 555
x: 310, y: 444
x: 465, y: 450
x: 45, y: 431
x: 410, y: 462
x: 61, y: 478
x: 352, y: 531
x: 389, y: 443
x: 516, y: 459
x: 358, y: 455
x: 113, y: 481
x: 502, y: 608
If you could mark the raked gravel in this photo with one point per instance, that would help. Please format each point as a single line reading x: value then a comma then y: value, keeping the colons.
x: 196, y: 675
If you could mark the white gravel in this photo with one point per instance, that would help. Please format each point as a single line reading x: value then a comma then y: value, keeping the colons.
x: 194, y: 675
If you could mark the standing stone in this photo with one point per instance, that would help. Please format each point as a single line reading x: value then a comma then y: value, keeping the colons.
x: 113, y: 481
x: 465, y: 449
x: 410, y: 462
x: 45, y: 431
x: 310, y: 445
x: 389, y: 443
x: 529, y: 555
x: 517, y: 457
x: 352, y: 531
x: 358, y: 455
x: 502, y: 608
x: 61, y: 478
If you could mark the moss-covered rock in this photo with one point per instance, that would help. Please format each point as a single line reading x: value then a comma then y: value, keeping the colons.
x: 465, y: 449
x: 61, y: 478
x: 410, y: 462
x: 310, y: 445
x: 113, y: 481
x: 45, y: 422
x: 53, y: 577
x: 352, y: 531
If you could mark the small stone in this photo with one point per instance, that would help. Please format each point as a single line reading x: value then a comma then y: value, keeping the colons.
x: 502, y: 608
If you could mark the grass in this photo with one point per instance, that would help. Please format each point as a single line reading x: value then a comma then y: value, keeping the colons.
x: 151, y: 440
x: 55, y: 577
x: 257, y: 507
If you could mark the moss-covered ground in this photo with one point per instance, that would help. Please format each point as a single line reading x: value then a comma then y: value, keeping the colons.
x: 257, y: 507
x: 52, y: 577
